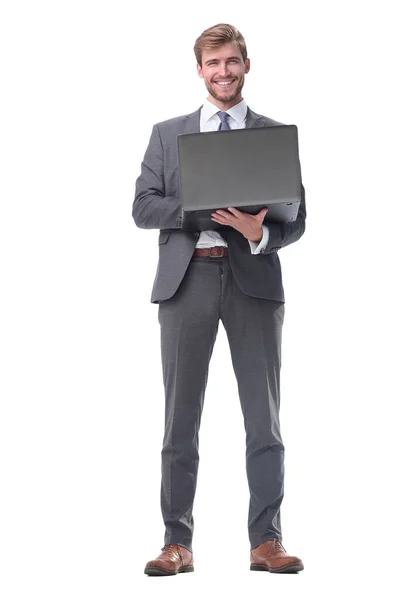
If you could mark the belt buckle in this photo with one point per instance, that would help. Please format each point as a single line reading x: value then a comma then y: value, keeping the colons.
x: 216, y: 250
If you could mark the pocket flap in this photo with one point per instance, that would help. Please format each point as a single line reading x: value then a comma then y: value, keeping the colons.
x: 163, y: 237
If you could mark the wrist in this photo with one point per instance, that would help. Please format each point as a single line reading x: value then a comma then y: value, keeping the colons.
x: 257, y: 237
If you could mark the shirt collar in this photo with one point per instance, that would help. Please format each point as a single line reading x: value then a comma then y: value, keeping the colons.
x: 237, y: 112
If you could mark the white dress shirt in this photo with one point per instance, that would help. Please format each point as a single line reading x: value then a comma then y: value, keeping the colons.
x: 210, y: 121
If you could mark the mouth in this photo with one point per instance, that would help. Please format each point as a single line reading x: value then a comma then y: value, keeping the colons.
x: 224, y: 84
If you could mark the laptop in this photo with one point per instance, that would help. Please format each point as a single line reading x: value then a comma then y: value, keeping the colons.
x: 245, y: 168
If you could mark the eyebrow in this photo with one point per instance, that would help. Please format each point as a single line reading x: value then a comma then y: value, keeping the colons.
x: 230, y: 58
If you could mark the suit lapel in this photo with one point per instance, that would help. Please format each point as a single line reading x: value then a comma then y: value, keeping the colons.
x: 192, y: 122
x: 253, y: 120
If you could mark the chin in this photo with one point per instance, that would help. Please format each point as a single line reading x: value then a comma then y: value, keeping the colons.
x: 223, y: 97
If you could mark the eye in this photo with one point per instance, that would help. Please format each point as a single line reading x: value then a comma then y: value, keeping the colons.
x: 210, y: 64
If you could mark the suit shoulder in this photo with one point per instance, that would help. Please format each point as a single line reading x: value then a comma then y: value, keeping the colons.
x: 271, y: 122
x: 174, y: 121
x: 266, y: 120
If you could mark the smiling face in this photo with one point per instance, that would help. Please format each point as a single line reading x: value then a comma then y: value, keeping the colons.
x: 223, y: 72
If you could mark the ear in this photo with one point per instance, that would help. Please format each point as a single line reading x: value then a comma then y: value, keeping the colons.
x: 199, y: 70
x: 247, y: 65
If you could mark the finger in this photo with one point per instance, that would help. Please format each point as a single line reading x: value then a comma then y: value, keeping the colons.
x: 223, y: 216
x: 260, y: 215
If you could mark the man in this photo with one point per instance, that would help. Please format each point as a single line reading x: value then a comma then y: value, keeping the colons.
x: 233, y: 275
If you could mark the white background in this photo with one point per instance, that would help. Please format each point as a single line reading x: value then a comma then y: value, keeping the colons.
x: 82, y: 394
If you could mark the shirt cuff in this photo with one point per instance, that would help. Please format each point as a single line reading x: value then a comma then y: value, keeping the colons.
x: 256, y: 247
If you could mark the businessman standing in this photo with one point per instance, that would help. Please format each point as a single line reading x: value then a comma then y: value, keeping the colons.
x: 233, y: 275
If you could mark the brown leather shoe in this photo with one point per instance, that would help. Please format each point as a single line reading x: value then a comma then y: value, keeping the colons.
x: 172, y: 560
x: 271, y: 556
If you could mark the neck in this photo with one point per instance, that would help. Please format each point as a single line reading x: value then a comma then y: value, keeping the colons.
x: 224, y: 105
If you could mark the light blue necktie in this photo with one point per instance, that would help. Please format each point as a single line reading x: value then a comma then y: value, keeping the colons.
x: 223, y: 127
x: 223, y: 117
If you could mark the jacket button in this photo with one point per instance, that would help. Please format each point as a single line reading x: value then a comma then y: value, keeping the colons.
x: 197, y: 234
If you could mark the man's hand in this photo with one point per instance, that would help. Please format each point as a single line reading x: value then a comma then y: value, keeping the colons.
x: 249, y: 225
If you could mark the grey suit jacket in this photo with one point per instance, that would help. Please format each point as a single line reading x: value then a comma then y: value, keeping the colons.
x: 157, y: 206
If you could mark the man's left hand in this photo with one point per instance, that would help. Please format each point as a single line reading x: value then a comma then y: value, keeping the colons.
x: 249, y: 225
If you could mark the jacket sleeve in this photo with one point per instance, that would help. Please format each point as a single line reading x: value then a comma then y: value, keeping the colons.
x: 283, y: 234
x: 151, y: 208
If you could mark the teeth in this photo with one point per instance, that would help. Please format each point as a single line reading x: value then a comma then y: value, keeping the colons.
x: 224, y: 82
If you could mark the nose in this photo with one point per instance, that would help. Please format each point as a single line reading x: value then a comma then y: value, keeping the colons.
x: 223, y: 70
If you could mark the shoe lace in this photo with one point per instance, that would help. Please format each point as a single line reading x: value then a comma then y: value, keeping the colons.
x: 278, y: 546
x: 171, y: 549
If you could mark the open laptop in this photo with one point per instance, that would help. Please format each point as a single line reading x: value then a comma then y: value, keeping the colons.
x: 245, y: 168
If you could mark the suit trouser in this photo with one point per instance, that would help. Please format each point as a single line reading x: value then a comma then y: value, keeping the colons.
x: 189, y: 323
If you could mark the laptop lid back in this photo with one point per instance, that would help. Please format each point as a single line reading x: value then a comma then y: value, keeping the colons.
x: 241, y: 167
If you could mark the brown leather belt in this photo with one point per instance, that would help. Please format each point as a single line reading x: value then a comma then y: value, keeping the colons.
x: 214, y: 251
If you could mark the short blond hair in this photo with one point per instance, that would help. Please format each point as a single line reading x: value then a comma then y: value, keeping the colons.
x: 216, y: 36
